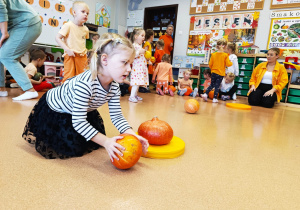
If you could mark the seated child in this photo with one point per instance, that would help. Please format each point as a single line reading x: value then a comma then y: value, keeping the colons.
x: 207, y: 77
x: 38, y: 58
x: 228, y: 88
x: 164, y: 75
x: 186, y: 82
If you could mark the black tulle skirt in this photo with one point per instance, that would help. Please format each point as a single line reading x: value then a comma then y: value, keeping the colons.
x: 53, y: 134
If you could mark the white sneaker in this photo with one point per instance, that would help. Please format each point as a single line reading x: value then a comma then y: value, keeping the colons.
x: 215, y: 100
x: 133, y: 99
x: 27, y: 95
x: 14, y: 85
x: 139, y: 98
x: 195, y: 92
x: 234, y: 96
x: 204, y: 96
x: 3, y: 93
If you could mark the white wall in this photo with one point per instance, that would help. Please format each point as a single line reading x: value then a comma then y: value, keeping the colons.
x: 183, y: 23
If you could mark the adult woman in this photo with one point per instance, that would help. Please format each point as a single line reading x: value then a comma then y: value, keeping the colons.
x: 267, y: 81
x: 20, y: 26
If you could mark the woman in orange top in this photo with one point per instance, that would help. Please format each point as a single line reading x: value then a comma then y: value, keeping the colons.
x: 267, y: 78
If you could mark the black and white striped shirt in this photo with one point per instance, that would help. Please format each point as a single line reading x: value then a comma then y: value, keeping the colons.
x: 80, y: 95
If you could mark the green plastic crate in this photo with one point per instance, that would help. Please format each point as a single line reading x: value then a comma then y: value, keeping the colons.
x: 202, y: 81
x: 245, y: 73
x: 202, y: 76
x: 195, y: 80
x: 283, y: 98
x: 283, y: 92
x: 242, y: 79
x: 245, y: 67
x: 194, y: 85
x: 293, y: 99
x: 201, y: 87
x: 242, y: 86
x: 246, y: 60
x: 294, y: 92
x: 242, y: 92
x: 203, y: 68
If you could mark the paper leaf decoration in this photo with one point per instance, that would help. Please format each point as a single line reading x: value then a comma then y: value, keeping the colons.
x: 255, y: 15
x: 287, y: 53
x: 193, y: 19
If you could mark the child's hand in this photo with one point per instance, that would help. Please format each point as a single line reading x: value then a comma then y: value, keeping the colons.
x: 142, y: 51
x: 41, y: 80
x: 70, y: 53
x: 143, y: 141
x: 112, y: 146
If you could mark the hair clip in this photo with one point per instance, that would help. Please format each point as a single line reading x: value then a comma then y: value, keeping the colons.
x: 116, y: 41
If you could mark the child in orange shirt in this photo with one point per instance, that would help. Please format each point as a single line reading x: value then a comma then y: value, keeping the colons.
x: 207, y: 77
x: 164, y: 75
x: 218, y: 62
x: 186, y: 82
x: 159, y: 52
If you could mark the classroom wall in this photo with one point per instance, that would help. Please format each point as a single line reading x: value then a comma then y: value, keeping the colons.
x: 183, y: 20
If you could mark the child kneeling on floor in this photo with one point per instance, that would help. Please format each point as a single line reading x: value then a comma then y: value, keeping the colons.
x: 164, y: 76
x: 228, y: 88
x: 186, y: 83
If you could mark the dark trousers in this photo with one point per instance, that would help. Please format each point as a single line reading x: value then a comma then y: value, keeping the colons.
x: 215, y: 83
x: 229, y: 93
x: 257, y: 98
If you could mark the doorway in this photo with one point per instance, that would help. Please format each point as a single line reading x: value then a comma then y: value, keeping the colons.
x: 157, y: 19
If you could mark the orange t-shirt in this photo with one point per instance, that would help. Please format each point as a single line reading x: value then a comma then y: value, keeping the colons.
x: 218, y: 62
x: 158, y: 55
x: 168, y: 40
x: 163, y: 72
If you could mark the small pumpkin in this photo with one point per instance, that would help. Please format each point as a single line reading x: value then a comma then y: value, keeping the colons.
x: 156, y: 131
x: 60, y: 7
x: 129, y: 89
x: 30, y: 1
x: 172, y: 88
x: 152, y: 59
x: 131, y: 154
x: 189, y: 91
x: 53, y: 22
x: 211, y: 94
x: 147, y: 55
x: 191, y: 106
x: 44, y: 3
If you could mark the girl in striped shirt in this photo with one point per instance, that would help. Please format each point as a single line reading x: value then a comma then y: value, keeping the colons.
x: 65, y: 122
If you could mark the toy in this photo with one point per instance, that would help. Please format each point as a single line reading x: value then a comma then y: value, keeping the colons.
x: 152, y: 59
x: 211, y: 94
x: 156, y: 131
x: 147, y: 55
x: 172, y: 88
x: 132, y: 153
x: 37, y: 76
x: 188, y: 92
x: 191, y: 106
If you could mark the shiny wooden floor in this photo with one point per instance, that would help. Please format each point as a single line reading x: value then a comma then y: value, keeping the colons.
x: 233, y: 160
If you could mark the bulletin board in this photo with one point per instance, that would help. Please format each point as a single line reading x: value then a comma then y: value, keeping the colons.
x: 212, y: 6
x: 53, y: 14
x: 235, y: 27
x: 279, y: 4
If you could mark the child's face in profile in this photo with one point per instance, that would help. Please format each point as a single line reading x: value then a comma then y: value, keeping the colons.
x: 40, y: 62
x: 140, y: 38
x: 186, y: 76
x: 206, y: 76
x: 228, y: 79
x: 81, y: 13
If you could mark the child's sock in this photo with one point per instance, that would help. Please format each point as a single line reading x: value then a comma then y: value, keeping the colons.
x: 171, y: 92
x: 27, y: 95
x: 182, y: 92
x: 215, y: 100
x: 195, y: 92
x: 204, y: 96
x: 159, y: 92
x: 3, y: 93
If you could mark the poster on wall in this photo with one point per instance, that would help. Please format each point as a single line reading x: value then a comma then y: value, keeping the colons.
x: 102, y: 16
x: 285, y: 33
x: 279, y: 4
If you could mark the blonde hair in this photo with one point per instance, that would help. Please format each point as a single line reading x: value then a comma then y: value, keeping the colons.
x: 220, y: 43
x: 135, y: 32
x: 276, y: 50
x: 230, y: 75
x: 187, y: 71
x: 108, y: 44
x: 76, y: 4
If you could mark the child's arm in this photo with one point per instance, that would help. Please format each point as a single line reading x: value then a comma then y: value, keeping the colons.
x: 34, y: 82
x: 235, y: 66
x: 227, y: 61
x: 171, y: 76
x: 179, y: 88
x: 191, y: 83
x: 59, y: 40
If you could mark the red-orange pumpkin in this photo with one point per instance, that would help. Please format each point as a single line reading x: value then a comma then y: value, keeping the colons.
x: 156, y: 131
x: 44, y: 3
x: 211, y: 94
x: 129, y: 89
x: 189, y: 91
x: 60, y: 7
x: 191, y: 106
x: 131, y: 154
x: 172, y: 88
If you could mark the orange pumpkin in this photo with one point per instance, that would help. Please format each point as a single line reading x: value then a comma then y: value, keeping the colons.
x: 29, y: 1
x: 172, y: 88
x: 156, y: 131
x: 211, y: 94
x: 71, y: 11
x: 189, y: 91
x: 44, y: 3
x: 53, y: 22
x: 60, y: 7
x: 191, y: 106
x: 131, y: 154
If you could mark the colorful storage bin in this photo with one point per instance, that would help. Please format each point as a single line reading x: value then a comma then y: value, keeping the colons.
x: 293, y: 99
x: 243, y: 86
x: 242, y: 79
x: 245, y: 73
x: 242, y: 92
x: 245, y: 60
x: 245, y: 67
x: 293, y: 92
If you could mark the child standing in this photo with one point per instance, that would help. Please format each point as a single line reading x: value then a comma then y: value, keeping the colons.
x: 147, y: 46
x: 72, y: 38
x: 38, y: 58
x: 139, y: 73
x: 186, y: 82
x: 218, y: 62
x: 65, y: 121
x: 159, y: 52
x: 164, y: 75
x: 227, y: 87
x: 231, y: 49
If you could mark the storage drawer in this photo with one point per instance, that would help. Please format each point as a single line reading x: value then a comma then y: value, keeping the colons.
x: 242, y: 86
x: 201, y: 87
x: 245, y: 73
x: 203, y: 68
x: 195, y: 81
x: 293, y: 92
x: 242, y: 79
x: 202, y: 76
x: 293, y: 99
x: 202, y: 81
x: 242, y: 92
x: 245, y: 67
x: 283, y: 92
x: 283, y: 98
x: 246, y: 60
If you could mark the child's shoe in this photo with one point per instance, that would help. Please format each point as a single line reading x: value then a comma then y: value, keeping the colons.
x: 139, y: 98
x: 14, y: 85
x: 224, y: 98
x: 159, y: 92
x: 234, y: 96
x: 182, y: 92
x: 195, y: 92
x: 204, y: 96
x: 3, y: 93
x: 171, y: 92
x: 133, y: 99
x: 215, y: 100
